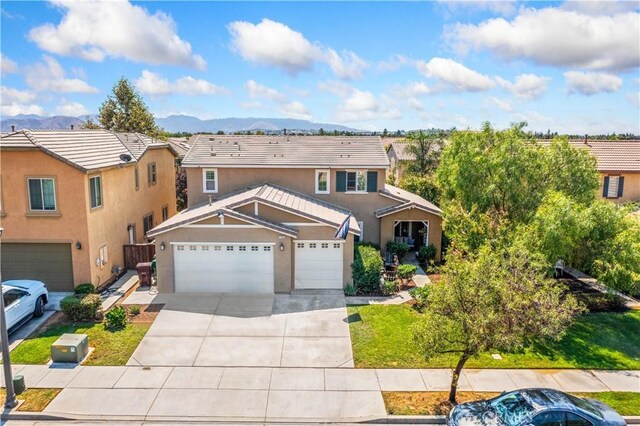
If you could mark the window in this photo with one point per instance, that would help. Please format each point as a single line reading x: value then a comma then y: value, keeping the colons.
x: 192, y: 248
x: 576, y: 420
x: 322, y: 181
x: 95, y: 191
x: 229, y: 248
x: 42, y: 194
x: 324, y: 245
x: 217, y: 248
x: 266, y: 248
x: 12, y: 296
x: 205, y: 248
x: 551, y: 418
x: 300, y: 245
x: 613, y: 186
x: 209, y: 180
x: 147, y: 223
x: 180, y: 248
x: 165, y: 213
x: 152, y: 174
x: 312, y: 245
x: 336, y: 245
x: 254, y: 248
x: 103, y: 256
x: 357, y: 181
x: 242, y: 248
x: 136, y: 177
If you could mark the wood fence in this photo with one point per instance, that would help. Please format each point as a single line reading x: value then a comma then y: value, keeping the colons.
x: 136, y: 253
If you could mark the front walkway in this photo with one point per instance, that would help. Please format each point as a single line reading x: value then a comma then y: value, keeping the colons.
x: 259, y: 394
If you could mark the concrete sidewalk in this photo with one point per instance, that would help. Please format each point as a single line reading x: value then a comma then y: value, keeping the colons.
x: 276, y: 394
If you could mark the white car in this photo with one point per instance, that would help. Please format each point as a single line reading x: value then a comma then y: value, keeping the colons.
x: 23, y: 298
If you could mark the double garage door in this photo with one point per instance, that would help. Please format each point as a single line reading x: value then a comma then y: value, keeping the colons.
x: 249, y: 267
x: 49, y: 263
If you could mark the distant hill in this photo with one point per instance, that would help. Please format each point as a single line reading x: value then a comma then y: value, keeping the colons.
x: 177, y: 123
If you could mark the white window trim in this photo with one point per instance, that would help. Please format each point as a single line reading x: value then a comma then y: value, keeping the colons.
x: 101, y: 192
x: 55, y: 199
x: 347, y: 191
x: 204, y: 181
x: 328, y: 172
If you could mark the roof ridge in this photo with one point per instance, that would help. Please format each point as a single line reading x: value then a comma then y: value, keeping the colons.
x: 310, y: 198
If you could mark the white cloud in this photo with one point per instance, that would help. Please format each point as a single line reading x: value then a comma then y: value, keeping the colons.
x: 634, y: 99
x: 415, y: 104
x: 97, y: 29
x: 394, y: 63
x: 10, y: 95
x: 275, y: 44
x: 49, y: 76
x: 7, y: 66
x: 526, y: 86
x: 71, y: 109
x: 295, y: 109
x: 590, y: 83
x: 151, y: 83
x: 15, y: 108
x: 338, y: 88
x: 552, y: 36
x: 413, y: 89
x: 257, y: 90
x: 287, y: 108
x: 364, y: 106
x: 603, y: 7
x: 501, y: 104
x: 455, y: 75
x: 502, y: 7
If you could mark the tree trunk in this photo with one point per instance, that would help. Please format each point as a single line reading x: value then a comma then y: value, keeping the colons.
x: 456, y: 375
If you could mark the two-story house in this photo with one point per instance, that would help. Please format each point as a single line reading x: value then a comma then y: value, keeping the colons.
x: 70, y: 200
x: 264, y: 210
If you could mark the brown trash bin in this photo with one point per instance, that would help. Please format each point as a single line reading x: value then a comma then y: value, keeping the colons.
x: 144, y: 273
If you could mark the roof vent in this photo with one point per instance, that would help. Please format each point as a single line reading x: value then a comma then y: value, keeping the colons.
x: 212, y: 139
x: 72, y: 127
x: 125, y: 157
x: 13, y: 128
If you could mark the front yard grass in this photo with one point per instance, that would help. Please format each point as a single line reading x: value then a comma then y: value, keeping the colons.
x: 382, y: 337
x: 432, y: 403
x: 111, y: 347
x: 34, y: 399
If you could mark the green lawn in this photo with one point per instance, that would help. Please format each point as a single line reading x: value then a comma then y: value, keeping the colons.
x: 382, y: 338
x: 33, y: 399
x: 111, y: 347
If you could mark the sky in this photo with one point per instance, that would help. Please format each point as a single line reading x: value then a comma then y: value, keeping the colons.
x: 570, y: 67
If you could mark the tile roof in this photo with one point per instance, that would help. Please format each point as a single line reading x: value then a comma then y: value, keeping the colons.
x: 268, y: 194
x: 402, y: 153
x: 180, y: 146
x: 84, y: 149
x: 613, y: 155
x: 407, y: 200
x: 285, y: 151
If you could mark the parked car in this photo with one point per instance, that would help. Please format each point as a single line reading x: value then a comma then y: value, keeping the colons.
x: 535, y: 407
x: 23, y: 298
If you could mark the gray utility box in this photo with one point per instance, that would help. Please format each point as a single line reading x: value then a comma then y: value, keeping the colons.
x: 70, y: 348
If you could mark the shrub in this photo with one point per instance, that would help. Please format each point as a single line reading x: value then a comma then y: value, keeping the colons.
x: 86, y: 307
x: 406, y: 271
x: 389, y: 287
x: 350, y: 290
x: 603, y: 302
x: 116, y: 318
x: 368, y: 244
x: 134, y: 310
x: 397, y: 248
x: 427, y: 253
x: 86, y: 288
x: 421, y: 295
x: 367, y: 268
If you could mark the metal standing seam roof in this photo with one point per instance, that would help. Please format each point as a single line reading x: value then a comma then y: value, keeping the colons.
x: 268, y: 194
x: 85, y: 149
x: 285, y: 151
x: 407, y: 200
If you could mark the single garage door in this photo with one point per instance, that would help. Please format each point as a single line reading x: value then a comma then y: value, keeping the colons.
x: 318, y: 265
x: 49, y: 263
x: 228, y: 268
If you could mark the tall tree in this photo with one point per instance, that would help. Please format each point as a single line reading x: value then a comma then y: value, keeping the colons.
x: 426, y: 148
x: 497, y: 300
x: 125, y: 111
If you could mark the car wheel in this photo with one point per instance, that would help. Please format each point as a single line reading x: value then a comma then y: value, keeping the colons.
x: 39, y: 310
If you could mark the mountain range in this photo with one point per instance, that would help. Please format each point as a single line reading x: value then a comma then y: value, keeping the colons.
x: 176, y: 123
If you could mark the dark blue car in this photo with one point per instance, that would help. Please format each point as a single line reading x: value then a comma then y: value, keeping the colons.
x: 535, y: 407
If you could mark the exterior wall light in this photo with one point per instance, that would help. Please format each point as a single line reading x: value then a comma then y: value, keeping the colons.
x: 78, y: 245
x: 162, y: 246
x: 281, y: 246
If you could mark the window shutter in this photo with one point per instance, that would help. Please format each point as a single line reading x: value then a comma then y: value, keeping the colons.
x: 149, y: 173
x: 341, y: 181
x: 605, y: 186
x: 372, y: 181
x: 620, y: 185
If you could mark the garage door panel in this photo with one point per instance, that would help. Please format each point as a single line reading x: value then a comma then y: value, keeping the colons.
x: 319, y: 265
x: 49, y: 263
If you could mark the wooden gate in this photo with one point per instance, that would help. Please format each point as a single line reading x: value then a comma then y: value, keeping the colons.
x: 137, y: 253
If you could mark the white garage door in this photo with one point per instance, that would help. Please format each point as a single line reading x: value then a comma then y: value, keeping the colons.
x: 318, y: 264
x: 218, y: 267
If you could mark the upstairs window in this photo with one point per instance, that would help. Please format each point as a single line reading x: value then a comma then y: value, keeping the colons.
x: 42, y: 194
x: 147, y: 223
x: 165, y: 213
x: 95, y: 191
x: 152, y: 172
x: 613, y: 186
x: 357, y: 181
x: 136, y: 177
x: 210, y: 180
x: 322, y: 181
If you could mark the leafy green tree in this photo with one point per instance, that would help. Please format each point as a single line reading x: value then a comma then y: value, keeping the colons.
x: 125, y: 111
x: 424, y: 186
x: 497, y: 300
x: 426, y: 149
x: 89, y: 124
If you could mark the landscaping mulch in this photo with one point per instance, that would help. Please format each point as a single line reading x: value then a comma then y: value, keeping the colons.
x: 147, y: 315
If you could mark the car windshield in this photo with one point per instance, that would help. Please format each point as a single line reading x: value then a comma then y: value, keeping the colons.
x: 512, y: 408
x: 585, y: 406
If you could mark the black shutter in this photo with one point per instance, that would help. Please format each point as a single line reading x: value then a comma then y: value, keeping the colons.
x: 372, y: 181
x: 341, y: 181
x: 620, y: 186
x: 605, y: 186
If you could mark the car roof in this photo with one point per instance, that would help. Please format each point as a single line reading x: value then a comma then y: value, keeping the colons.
x: 543, y: 399
x: 20, y: 284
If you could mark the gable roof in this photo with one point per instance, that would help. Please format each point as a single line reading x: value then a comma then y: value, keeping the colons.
x: 407, y: 199
x: 401, y: 151
x: 180, y: 146
x: 612, y: 155
x: 85, y: 149
x: 285, y: 151
x: 268, y: 194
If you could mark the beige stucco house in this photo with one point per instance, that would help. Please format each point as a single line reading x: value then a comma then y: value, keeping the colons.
x: 264, y: 210
x: 70, y: 200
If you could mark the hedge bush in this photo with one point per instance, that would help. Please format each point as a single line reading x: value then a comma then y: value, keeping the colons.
x: 390, y: 287
x: 367, y: 268
x: 86, y: 288
x: 427, y: 253
x: 407, y: 271
x: 398, y: 248
x: 79, y: 308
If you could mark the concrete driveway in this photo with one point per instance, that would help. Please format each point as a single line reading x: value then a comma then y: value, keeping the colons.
x: 249, y: 330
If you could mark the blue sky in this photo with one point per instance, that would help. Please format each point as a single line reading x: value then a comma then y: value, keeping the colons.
x: 565, y: 66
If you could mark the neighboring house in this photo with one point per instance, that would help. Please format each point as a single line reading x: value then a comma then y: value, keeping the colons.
x: 180, y: 146
x: 399, y: 159
x: 264, y: 210
x: 70, y: 200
